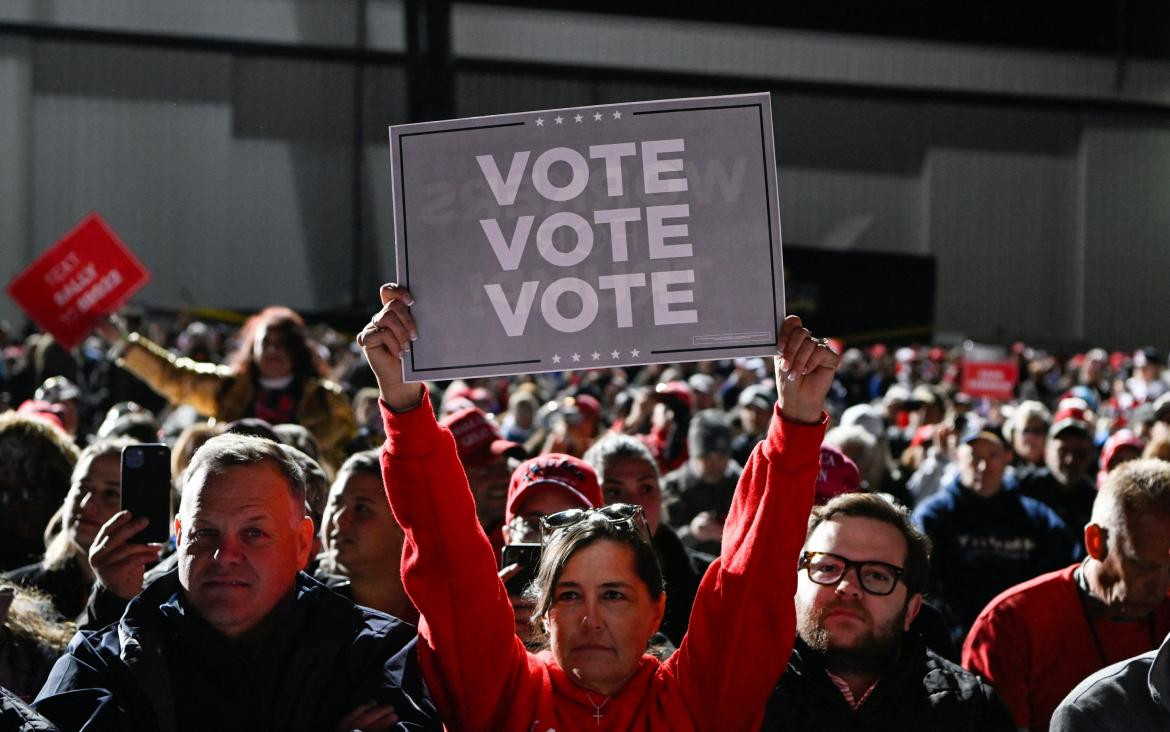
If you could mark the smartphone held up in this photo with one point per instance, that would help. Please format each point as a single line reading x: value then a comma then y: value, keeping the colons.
x: 146, y: 489
x: 528, y: 557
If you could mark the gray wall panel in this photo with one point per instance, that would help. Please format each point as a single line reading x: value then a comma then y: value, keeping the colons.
x: 1127, y: 234
x: 311, y: 22
x: 479, y: 93
x: 869, y: 211
x: 385, y: 104
x: 1002, y: 229
x: 232, y: 174
x: 220, y: 217
x: 16, y: 244
x: 571, y: 38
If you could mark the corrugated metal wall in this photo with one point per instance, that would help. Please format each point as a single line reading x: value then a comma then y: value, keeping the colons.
x: 230, y: 170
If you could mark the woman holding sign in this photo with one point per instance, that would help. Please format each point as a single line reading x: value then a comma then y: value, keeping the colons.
x: 598, y: 592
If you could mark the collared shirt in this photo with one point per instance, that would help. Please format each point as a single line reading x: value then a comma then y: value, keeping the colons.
x: 847, y: 692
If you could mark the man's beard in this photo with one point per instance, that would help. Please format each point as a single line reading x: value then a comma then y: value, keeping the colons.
x: 870, y: 653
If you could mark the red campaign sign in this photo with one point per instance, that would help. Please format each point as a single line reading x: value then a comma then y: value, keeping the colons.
x: 84, y: 276
x: 995, y: 380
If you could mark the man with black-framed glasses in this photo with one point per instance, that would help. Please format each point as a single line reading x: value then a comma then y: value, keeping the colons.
x: 855, y: 665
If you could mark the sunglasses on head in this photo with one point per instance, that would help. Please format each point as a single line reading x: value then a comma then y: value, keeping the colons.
x: 628, y: 514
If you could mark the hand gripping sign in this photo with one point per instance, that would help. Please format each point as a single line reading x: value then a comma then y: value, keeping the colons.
x: 85, y: 275
x: 592, y: 237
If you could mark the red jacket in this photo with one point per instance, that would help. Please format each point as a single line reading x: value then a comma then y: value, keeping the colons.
x: 741, y: 630
x: 1034, y: 644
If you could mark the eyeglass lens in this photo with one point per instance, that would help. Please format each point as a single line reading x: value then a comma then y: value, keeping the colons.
x: 877, y: 578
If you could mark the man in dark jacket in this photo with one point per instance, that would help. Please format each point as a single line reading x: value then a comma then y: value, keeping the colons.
x: 237, y: 637
x: 1131, y: 695
x: 15, y: 716
x: 697, y: 496
x: 855, y: 666
x: 1065, y: 482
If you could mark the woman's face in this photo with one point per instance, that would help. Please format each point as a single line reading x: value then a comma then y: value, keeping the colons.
x: 601, y: 617
x: 633, y: 480
x: 270, y: 353
x: 1029, y: 440
x: 358, y: 526
x: 94, y: 496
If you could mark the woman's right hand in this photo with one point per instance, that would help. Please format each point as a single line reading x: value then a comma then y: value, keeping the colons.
x: 112, y: 328
x: 118, y: 564
x: 805, y: 368
x: 384, y: 341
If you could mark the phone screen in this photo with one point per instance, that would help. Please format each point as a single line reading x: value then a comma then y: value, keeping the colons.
x: 146, y: 489
x: 528, y: 557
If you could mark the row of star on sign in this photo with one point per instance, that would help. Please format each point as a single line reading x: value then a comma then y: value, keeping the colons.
x: 578, y: 118
x: 596, y: 356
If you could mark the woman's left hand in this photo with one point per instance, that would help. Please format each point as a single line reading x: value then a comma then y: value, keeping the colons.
x: 805, y: 368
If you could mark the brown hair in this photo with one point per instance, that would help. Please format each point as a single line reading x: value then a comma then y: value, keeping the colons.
x: 566, y: 542
x: 291, y: 327
x: 36, y: 460
x: 916, y: 571
x: 230, y: 450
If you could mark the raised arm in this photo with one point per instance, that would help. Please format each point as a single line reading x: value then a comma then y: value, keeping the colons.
x: 743, y: 622
x: 468, y: 647
x: 180, y: 380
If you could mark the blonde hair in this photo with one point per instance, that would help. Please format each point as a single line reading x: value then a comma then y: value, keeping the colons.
x: 1158, y: 449
x: 58, y: 547
x: 1135, y: 488
x: 32, y: 617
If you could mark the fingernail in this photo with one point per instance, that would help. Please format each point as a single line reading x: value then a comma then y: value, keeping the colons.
x: 783, y: 364
x: 413, y: 336
x: 406, y: 348
x: 409, y: 302
x: 791, y: 376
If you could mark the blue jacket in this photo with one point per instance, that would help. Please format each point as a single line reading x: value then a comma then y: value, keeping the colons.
x: 159, y: 669
x: 984, y: 545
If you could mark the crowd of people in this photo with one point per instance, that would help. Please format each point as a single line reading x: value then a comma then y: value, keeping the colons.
x: 840, y: 538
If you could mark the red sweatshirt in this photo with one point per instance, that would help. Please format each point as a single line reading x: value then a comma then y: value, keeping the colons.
x: 1034, y: 644
x: 741, y: 629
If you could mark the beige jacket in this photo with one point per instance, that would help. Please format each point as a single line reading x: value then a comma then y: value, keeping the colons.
x: 215, y: 391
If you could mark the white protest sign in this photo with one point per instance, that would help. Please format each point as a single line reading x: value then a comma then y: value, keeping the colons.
x: 593, y: 237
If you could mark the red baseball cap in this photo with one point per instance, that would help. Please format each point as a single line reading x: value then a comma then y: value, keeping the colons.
x: 588, y: 406
x: 678, y: 390
x: 838, y: 475
x: 43, y: 410
x: 1071, y: 417
x: 478, y: 439
x: 1116, y: 441
x: 571, y: 476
